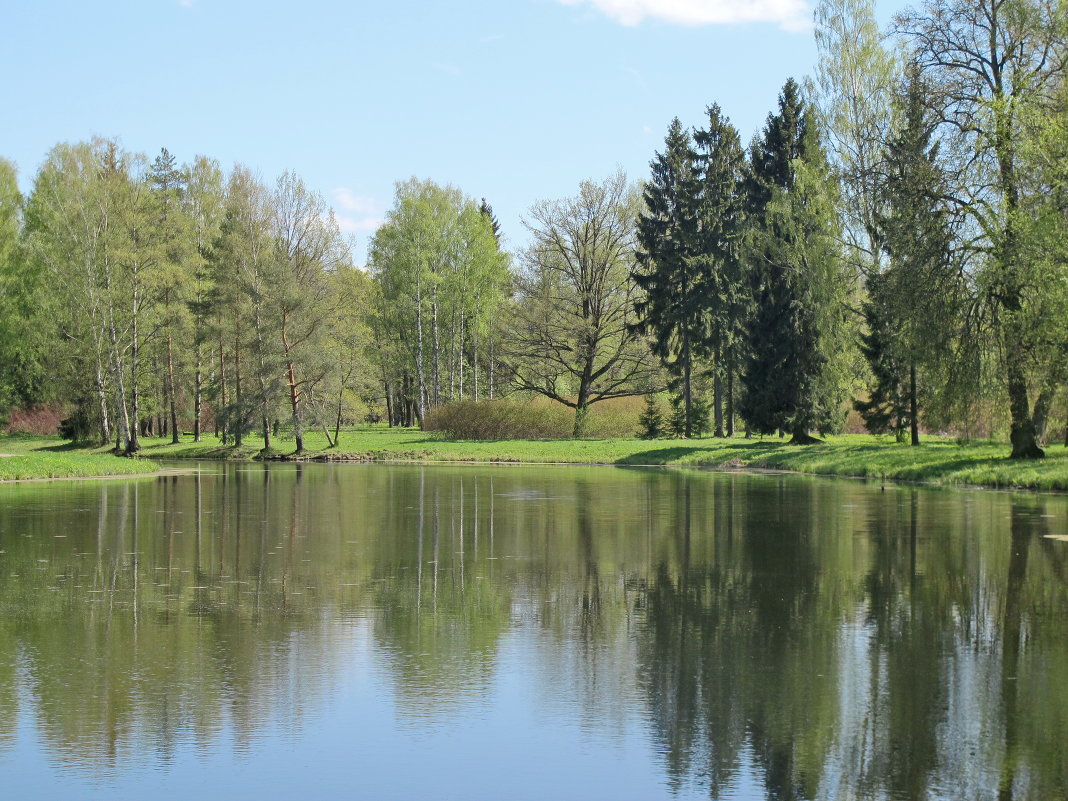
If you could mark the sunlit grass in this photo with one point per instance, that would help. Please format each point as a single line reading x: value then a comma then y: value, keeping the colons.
x: 28, y: 457
x: 937, y: 461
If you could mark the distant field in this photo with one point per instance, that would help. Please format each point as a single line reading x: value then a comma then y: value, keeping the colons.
x: 936, y: 461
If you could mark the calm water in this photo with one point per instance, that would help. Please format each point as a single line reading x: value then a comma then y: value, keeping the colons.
x: 402, y: 632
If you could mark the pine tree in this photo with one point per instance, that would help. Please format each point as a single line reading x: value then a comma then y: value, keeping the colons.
x: 797, y: 281
x: 674, y: 281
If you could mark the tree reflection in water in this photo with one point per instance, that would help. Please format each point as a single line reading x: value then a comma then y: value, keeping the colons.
x: 817, y: 639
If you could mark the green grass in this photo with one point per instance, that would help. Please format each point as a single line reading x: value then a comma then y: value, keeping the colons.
x: 26, y: 457
x: 936, y: 462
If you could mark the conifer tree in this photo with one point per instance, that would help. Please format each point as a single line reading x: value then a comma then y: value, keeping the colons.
x: 796, y: 328
x: 673, y: 306
x: 719, y: 162
x: 911, y: 305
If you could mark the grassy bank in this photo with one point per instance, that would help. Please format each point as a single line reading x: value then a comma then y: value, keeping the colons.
x: 936, y: 462
x: 24, y: 457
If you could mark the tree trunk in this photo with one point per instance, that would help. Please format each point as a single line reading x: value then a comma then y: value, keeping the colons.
x: 802, y: 437
x: 102, y: 404
x: 687, y: 397
x: 914, y: 406
x: 420, y: 369
x: 133, y: 445
x: 1023, y: 435
x: 490, y: 365
x: 239, y: 415
x: 337, y: 424
x: 436, y: 341
x: 170, y: 380
x: 198, y: 384
x: 582, y: 411
x: 717, y: 393
x: 730, y: 392
x: 474, y: 362
x: 294, y: 395
x: 222, y: 391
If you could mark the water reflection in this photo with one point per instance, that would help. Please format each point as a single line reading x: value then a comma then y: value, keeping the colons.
x: 750, y: 636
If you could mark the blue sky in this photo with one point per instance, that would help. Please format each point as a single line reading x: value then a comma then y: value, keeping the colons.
x: 511, y: 100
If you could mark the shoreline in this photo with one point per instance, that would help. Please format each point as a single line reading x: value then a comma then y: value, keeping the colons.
x: 939, y: 462
x: 159, y: 473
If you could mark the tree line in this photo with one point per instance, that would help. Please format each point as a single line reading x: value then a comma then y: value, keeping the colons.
x: 891, y: 241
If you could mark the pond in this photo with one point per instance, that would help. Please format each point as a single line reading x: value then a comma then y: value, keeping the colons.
x: 499, y: 632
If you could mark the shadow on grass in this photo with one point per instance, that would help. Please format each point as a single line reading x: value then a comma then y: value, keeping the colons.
x: 726, y: 453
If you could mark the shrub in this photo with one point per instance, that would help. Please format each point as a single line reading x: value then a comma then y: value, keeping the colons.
x: 37, y: 420
x: 532, y: 418
x: 500, y: 419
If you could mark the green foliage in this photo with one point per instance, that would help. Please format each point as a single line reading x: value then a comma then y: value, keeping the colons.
x: 651, y: 422
x: 574, y: 338
x: 798, y: 332
x: 914, y: 306
x: 693, y: 425
x: 499, y: 419
x: 441, y: 278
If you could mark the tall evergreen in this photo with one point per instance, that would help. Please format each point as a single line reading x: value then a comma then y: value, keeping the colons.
x: 674, y: 280
x: 719, y: 162
x: 911, y: 306
x: 486, y: 210
x: 797, y: 281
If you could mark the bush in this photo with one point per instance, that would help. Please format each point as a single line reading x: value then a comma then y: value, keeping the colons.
x: 39, y: 420
x: 533, y: 418
x: 500, y: 419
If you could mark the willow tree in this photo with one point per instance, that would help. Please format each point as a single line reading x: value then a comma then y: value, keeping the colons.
x: 574, y: 338
x: 856, y: 76
x: 990, y: 61
x: 18, y: 350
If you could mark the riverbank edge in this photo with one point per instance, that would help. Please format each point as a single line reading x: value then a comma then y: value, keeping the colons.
x: 963, y: 473
x: 158, y: 472
x: 939, y: 463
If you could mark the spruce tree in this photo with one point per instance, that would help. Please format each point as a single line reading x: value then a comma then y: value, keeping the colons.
x: 719, y: 162
x: 651, y: 420
x: 486, y: 210
x: 674, y: 303
x: 797, y: 280
x: 911, y: 306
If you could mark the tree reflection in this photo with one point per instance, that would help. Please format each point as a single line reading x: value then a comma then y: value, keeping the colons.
x: 817, y: 639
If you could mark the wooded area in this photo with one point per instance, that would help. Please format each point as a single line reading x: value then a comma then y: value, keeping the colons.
x: 892, y: 242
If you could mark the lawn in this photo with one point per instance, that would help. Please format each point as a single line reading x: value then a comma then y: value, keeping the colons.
x: 28, y: 457
x: 938, y: 461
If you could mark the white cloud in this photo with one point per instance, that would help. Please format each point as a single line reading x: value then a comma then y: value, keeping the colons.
x: 357, y: 214
x: 791, y: 15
